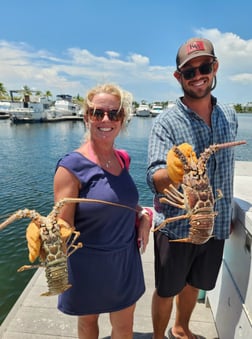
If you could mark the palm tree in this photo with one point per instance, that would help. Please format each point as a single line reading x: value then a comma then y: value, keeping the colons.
x: 78, y: 99
x: 27, y: 90
x: 3, y: 91
x: 48, y: 94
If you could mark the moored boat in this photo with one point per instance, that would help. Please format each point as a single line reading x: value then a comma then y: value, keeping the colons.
x: 143, y: 110
x: 29, y: 109
x: 4, y: 116
x: 64, y: 109
x: 4, y: 110
x: 156, y: 109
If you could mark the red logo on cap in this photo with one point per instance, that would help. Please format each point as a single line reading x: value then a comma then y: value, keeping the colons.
x: 195, y: 46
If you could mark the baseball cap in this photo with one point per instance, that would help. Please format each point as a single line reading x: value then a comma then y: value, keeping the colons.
x: 193, y: 48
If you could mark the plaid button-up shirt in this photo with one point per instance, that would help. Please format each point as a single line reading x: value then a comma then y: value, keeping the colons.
x: 178, y: 125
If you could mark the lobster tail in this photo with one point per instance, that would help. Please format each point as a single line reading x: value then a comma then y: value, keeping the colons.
x: 57, y: 279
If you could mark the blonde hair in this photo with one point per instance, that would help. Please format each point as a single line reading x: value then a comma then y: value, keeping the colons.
x: 124, y: 97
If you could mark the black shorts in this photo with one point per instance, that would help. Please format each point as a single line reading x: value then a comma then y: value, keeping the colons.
x: 178, y: 264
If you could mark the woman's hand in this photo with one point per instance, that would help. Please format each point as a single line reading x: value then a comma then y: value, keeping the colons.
x: 143, y: 229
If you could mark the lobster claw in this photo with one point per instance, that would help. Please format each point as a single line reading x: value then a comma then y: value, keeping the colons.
x: 33, y: 241
x: 178, y: 159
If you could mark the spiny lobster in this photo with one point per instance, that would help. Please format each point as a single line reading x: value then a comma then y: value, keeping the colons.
x: 197, y: 197
x: 54, y: 249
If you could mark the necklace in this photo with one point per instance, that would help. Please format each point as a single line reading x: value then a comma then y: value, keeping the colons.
x: 105, y: 163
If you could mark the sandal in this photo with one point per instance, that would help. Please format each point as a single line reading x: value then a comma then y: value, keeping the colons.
x: 172, y: 336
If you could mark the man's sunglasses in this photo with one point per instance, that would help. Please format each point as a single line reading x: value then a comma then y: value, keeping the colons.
x: 98, y: 114
x: 203, y: 69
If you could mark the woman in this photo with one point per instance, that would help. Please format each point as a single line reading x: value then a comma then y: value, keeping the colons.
x: 106, y: 273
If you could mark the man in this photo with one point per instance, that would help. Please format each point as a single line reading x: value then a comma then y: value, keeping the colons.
x: 194, y: 123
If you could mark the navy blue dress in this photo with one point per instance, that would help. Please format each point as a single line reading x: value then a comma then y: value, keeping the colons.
x: 106, y: 273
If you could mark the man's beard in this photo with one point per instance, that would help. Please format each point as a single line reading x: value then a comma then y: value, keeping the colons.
x: 196, y: 95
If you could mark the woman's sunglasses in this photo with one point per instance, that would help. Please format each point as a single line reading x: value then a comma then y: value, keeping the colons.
x: 98, y: 114
x: 203, y: 69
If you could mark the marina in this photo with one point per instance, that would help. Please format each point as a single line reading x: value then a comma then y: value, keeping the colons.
x: 32, y: 108
x: 28, y: 158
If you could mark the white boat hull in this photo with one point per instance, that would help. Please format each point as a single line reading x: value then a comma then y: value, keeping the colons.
x: 143, y: 111
x: 156, y: 110
x: 26, y: 115
x: 64, y: 109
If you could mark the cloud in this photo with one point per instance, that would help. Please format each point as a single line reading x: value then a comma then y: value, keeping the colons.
x: 242, y: 78
x: 139, y: 59
x: 233, y: 52
x: 76, y: 70
x: 113, y: 54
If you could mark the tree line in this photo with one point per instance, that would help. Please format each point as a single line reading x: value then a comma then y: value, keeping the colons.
x: 243, y: 109
x: 4, y: 95
x: 26, y: 90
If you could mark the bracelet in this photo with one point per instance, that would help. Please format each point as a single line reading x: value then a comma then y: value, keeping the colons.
x: 146, y: 211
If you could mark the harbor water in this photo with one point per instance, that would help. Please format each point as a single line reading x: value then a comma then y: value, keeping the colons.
x: 28, y: 155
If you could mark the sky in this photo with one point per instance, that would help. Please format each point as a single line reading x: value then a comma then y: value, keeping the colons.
x: 67, y: 47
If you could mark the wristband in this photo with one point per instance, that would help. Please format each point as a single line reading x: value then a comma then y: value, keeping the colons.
x: 143, y: 211
x: 146, y: 211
